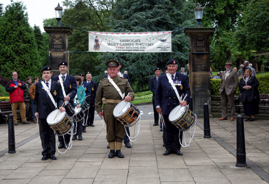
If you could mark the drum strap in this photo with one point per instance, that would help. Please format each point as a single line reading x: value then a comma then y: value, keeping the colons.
x: 115, y: 86
x: 173, y: 86
x: 133, y: 139
x: 48, y: 92
x: 61, y: 82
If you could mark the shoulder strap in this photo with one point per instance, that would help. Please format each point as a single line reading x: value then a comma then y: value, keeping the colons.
x: 173, y: 86
x: 115, y: 86
x: 48, y: 92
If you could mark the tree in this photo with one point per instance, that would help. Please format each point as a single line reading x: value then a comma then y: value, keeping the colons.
x: 42, y: 48
x: 1, y: 9
x: 17, y: 43
x: 144, y: 16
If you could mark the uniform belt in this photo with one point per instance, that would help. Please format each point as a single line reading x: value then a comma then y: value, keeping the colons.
x: 106, y: 101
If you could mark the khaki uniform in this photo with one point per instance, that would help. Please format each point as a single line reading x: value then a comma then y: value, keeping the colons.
x: 109, y: 97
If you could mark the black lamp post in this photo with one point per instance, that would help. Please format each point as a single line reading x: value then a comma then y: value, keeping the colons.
x: 58, y: 14
x: 198, y: 15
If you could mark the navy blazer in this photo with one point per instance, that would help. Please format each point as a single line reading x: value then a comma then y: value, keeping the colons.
x: 165, y: 95
x: 91, y: 89
x: 70, y: 86
x: 153, y: 86
x: 42, y: 102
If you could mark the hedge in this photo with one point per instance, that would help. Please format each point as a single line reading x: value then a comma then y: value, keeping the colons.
x: 263, y: 87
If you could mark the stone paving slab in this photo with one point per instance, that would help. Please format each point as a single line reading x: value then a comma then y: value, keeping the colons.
x: 205, y: 161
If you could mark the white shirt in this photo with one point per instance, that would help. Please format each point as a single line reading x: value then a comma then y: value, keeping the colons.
x: 89, y: 81
x: 227, y: 73
x: 247, y: 78
x: 173, y: 75
x: 49, y: 83
x: 65, y: 75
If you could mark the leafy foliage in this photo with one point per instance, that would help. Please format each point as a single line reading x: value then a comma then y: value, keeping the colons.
x: 17, y: 43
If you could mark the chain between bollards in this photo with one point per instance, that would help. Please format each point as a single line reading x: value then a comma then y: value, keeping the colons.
x: 206, y: 122
x: 240, y: 142
x: 11, y: 135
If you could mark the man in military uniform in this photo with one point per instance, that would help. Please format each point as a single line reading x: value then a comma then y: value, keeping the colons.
x: 153, y: 86
x: 43, y: 107
x: 108, y: 96
x: 70, y: 87
x: 166, y: 101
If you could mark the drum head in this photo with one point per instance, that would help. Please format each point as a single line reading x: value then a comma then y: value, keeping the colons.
x: 58, y: 118
x: 121, y: 108
x: 77, y: 110
x: 177, y: 113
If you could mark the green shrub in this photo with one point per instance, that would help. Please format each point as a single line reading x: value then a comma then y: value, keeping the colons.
x: 263, y: 87
x: 3, y: 91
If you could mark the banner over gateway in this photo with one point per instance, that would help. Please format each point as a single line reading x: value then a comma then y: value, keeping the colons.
x: 130, y: 42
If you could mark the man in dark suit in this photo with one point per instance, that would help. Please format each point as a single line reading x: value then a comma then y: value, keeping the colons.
x: 70, y: 87
x: 91, y: 93
x: 43, y: 107
x: 167, y: 100
x: 153, y: 86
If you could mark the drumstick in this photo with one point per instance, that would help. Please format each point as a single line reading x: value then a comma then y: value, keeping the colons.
x: 60, y: 107
x: 184, y: 97
x: 87, y: 96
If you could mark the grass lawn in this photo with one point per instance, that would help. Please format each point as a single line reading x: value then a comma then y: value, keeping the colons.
x: 142, y: 101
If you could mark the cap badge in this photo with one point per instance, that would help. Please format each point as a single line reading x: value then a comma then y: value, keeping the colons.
x: 174, y: 62
x: 48, y: 68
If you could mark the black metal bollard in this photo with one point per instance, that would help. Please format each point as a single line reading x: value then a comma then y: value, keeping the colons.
x: 190, y: 105
x: 240, y: 142
x: 206, y: 122
x: 11, y: 135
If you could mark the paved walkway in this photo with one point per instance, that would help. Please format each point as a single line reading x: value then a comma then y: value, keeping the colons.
x: 205, y: 161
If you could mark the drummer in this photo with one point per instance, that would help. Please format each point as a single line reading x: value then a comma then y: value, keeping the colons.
x: 43, y: 107
x: 166, y: 101
x: 108, y: 96
x: 79, y: 102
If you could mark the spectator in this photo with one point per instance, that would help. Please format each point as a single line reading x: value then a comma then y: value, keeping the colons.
x: 235, y: 69
x: 240, y: 71
x: 246, y: 65
x: 249, y: 94
x: 252, y: 69
x: 217, y: 76
x: 183, y: 71
x: 27, y: 98
x: 15, y: 89
x: 32, y: 95
x: 210, y: 73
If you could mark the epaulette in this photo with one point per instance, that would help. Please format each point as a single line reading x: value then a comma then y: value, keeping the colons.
x: 125, y: 72
x: 102, y: 80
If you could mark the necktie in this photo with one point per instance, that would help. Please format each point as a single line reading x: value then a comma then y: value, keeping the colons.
x: 63, y: 77
x: 48, y: 87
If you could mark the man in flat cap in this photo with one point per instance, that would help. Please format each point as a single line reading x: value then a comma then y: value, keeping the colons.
x: 228, y: 86
x: 167, y: 100
x: 153, y: 86
x: 43, y: 107
x: 108, y: 96
x: 69, y: 87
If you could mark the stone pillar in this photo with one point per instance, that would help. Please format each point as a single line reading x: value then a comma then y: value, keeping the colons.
x: 199, y: 67
x: 58, y: 46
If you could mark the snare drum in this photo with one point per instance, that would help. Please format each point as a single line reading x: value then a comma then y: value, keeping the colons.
x: 69, y: 110
x: 86, y: 106
x: 126, y: 113
x: 61, y: 124
x: 79, y: 114
x: 182, y: 117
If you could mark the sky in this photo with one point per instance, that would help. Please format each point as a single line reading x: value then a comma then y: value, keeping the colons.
x: 38, y: 10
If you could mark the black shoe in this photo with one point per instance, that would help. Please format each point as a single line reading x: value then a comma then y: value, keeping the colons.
x: 161, y: 129
x: 80, y: 137
x: 74, y: 137
x: 25, y: 122
x: 119, y: 154
x: 84, y: 130
x: 251, y: 119
x: 247, y: 119
x: 155, y: 124
x: 167, y: 152
x: 111, y: 154
x: 178, y: 152
x: 128, y: 145
x: 92, y: 125
x: 61, y: 146
x: 16, y: 124
x: 108, y: 147
x: 52, y: 157
x: 66, y: 146
x: 45, y: 157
